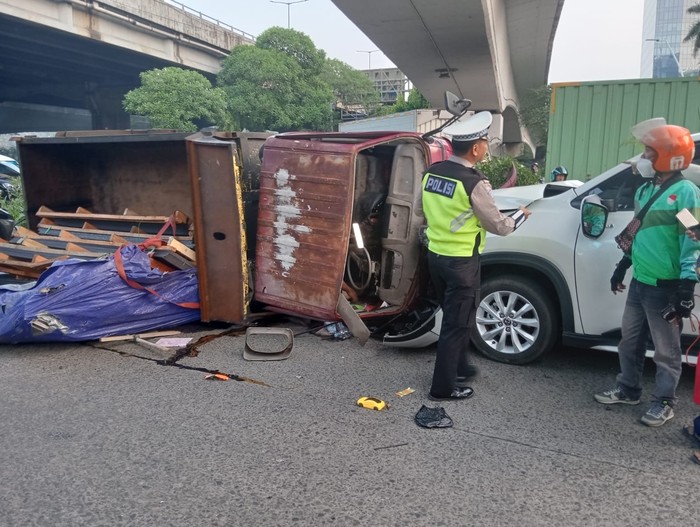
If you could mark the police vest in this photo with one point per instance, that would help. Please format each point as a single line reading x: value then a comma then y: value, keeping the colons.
x: 453, y: 228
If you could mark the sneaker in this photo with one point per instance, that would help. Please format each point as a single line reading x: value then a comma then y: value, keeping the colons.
x: 615, y: 396
x: 657, y: 414
x: 457, y: 393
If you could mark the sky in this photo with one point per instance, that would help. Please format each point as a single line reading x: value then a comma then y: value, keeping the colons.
x: 595, y: 39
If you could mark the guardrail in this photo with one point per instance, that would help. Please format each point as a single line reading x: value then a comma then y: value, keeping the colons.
x: 209, y: 19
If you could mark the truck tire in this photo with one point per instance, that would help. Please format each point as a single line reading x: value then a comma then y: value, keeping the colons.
x: 516, y: 321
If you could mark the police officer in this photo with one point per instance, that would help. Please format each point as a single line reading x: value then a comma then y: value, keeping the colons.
x: 459, y: 209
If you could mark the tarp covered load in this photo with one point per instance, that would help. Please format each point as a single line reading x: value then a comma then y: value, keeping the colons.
x: 77, y: 300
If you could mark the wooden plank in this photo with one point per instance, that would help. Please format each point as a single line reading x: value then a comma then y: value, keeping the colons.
x: 30, y: 242
x: 70, y: 246
x: 40, y: 263
x: 23, y: 232
x: 91, y: 233
x: 45, y: 212
x: 32, y: 274
x: 152, y: 334
x: 180, y: 248
x: 119, y: 240
x: 67, y: 235
x: 25, y: 253
x: 71, y: 243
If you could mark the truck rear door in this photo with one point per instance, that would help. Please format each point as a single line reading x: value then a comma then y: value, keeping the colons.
x: 224, y: 172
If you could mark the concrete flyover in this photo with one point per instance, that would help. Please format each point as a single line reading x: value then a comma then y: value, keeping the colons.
x: 489, y: 51
x: 86, y: 54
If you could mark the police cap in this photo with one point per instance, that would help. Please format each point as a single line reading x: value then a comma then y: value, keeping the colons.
x: 470, y: 129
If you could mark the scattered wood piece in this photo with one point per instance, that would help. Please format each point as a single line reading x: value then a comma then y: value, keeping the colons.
x: 149, y: 335
x: 182, y: 249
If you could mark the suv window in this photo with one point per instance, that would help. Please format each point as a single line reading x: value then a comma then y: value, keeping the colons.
x: 619, y: 189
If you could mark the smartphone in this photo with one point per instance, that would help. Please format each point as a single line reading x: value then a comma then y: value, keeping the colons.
x: 688, y: 221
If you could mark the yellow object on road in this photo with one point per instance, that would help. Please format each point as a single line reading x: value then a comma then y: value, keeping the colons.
x: 371, y: 403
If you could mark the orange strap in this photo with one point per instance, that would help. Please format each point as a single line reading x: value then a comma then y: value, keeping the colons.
x: 157, y: 241
x: 119, y: 265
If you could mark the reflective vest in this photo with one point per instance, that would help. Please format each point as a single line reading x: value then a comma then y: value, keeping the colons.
x: 453, y: 228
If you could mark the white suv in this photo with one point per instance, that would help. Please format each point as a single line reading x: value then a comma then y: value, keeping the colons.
x: 548, y: 281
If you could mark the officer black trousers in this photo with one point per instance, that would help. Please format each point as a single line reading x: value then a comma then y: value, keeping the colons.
x: 457, y: 281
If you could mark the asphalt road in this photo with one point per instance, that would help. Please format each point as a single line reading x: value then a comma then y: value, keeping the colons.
x: 92, y: 437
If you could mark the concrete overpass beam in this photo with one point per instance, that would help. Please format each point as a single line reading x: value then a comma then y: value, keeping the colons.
x: 105, y: 104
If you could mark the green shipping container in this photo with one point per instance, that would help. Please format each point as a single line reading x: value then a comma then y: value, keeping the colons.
x: 589, y: 123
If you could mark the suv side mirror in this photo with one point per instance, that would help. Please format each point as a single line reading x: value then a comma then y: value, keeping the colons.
x: 594, y: 216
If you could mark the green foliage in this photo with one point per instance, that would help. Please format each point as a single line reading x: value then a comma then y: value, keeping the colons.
x: 415, y: 101
x: 352, y: 89
x: 534, y: 112
x: 497, y: 170
x: 694, y: 31
x: 277, y: 84
x: 350, y: 86
x: 15, y: 203
x: 296, y: 45
x: 175, y: 98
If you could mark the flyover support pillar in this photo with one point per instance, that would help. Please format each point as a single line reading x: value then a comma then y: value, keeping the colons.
x: 105, y: 103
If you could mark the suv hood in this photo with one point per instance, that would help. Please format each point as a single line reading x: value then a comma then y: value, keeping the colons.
x: 513, y: 197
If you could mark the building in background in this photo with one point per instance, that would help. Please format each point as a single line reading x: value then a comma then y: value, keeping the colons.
x: 665, y: 25
x: 391, y: 83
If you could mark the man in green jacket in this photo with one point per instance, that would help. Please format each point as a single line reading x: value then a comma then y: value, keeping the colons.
x: 663, y: 258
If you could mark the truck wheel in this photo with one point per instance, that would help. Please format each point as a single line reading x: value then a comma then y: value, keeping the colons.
x: 516, y: 322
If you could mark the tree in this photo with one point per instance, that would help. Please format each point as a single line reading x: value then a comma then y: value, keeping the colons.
x: 352, y: 89
x: 277, y: 84
x: 415, y: 101
x: 694, y: 31
x: 175, y: 98
x: 296, y: 45
x: 534, y: 112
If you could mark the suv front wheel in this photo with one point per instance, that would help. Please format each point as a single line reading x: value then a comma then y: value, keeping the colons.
x: 516, y: 321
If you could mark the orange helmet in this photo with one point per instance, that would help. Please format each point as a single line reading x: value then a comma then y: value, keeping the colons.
x: 673, y: 145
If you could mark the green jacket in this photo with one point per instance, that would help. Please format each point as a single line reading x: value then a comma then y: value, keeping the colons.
x: 661, y: 250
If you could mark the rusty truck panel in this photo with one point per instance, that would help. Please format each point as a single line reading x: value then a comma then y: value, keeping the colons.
x: 225, y: 178
x: 304, y: 215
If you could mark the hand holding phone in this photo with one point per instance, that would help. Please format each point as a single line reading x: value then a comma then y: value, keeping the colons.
x: 690, y: 223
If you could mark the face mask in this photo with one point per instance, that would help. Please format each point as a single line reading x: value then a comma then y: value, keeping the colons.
x: 645, y: 168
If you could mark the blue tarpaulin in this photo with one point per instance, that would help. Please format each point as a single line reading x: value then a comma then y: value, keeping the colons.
x: 77, y: 300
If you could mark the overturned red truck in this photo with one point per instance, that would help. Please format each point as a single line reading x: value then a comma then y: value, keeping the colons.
x: 321, y: 225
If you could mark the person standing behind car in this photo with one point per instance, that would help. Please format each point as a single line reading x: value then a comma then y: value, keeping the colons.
x: 560, y: 173
x: 663, y: 261
x: 459, y: 209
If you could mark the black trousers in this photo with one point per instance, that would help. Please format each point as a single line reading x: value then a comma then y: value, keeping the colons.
x: 457, y: 281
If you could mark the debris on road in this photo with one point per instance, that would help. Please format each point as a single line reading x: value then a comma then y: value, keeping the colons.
x: 268, y: 343
x: 433, y: 417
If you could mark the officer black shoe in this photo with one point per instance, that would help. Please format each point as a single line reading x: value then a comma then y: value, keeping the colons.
x: 458, y: 393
